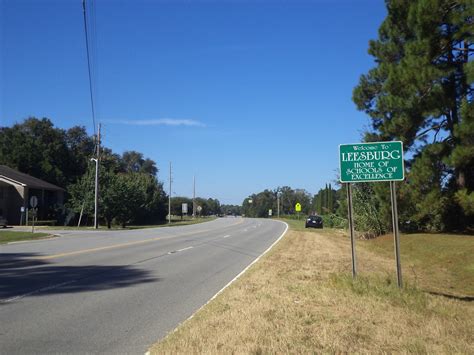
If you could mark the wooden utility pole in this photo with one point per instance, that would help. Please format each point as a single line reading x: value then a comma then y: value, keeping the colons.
x: 96, y: 199
x: 194, y: 196
x: 169, y: 200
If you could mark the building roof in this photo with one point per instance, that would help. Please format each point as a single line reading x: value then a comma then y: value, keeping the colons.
x: 25, y: 179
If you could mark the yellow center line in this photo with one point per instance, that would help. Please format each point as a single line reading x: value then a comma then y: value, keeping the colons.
x: 95, y: 249
x: 85, y: 251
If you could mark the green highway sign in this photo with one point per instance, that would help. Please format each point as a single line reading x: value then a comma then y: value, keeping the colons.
x: 378, y: 161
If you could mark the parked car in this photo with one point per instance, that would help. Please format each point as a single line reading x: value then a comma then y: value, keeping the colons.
x: 3, y: 222
x: 314, y: 222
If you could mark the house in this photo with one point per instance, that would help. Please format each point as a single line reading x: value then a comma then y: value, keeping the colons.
x: 17, y: 188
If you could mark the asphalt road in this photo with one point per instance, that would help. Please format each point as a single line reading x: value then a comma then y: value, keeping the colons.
x: 119, y: 291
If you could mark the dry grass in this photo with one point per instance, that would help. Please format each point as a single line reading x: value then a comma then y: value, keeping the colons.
x: 440, y: 263
x: 300, y: 298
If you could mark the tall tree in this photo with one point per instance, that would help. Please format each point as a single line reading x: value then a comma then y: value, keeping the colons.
x: 37, y: 148
x: 135, y: 162
x: 421, y: 90
x: 330, y: 199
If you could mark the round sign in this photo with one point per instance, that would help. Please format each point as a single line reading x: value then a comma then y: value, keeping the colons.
x: 34, y: 201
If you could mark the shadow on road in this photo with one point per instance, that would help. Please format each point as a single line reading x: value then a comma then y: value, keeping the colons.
x: 21, y: 274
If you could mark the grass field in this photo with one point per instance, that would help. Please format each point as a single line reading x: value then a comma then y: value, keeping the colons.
x: 300, y: 298
x: 10, y: 236
x: 438, y: 263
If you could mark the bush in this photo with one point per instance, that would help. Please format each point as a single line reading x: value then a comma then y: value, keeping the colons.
x: 334, y: 221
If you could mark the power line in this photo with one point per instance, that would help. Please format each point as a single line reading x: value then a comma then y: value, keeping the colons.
x: 89, y: 64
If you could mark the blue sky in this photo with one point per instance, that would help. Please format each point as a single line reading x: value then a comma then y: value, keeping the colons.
x: 246, y: 95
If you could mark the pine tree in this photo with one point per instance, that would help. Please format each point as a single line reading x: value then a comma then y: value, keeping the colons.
x: 325, y: 200
x: 319, y: 203
x: 422, y: 90
x: 330, y: 200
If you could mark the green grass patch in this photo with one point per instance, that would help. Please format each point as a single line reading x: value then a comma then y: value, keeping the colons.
x: 383, y: 289
x: 438, y: 262
x: 9, y: 236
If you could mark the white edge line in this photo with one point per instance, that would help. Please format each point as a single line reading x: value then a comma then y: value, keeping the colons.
x: 185, y: 249
x: 226, y: 236
x: 228, y: 284
x: 34, y: 292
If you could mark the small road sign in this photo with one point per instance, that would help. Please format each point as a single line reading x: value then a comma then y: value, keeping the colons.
x: 33, y: 201
x: 298, y: 207
x: 199, y: 209
x: 270, y: 212
x: 184, y: 208
x: 378, y: 161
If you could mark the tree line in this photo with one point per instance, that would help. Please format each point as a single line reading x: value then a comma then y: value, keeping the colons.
x: 130, y: 192
x: 324, y: 202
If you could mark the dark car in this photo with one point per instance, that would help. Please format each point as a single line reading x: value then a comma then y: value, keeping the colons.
x: 314, y: 221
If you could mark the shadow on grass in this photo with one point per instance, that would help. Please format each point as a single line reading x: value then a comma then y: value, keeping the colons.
x: 454, y: 297
x: 21, y: 274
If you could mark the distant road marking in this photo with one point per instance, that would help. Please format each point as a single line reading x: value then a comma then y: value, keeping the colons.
x: 226, y: 236
x: 185, y: 249
x: 116, y: 246
x: 85, y: 251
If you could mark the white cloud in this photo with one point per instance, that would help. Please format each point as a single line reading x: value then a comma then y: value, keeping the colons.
x: 160, y: 122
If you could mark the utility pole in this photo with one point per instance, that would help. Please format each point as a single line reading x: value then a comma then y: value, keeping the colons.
x: 169, y: 200
x: 278, y: 203
x: 96, y: 202
x: 194, y: 196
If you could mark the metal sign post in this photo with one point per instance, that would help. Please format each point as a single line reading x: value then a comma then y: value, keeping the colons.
x: 396, y: 236
x: 298, y: 209
x: 34, y: 217
x: 278, y: 204
x: 351, y: 228
x: 33, y: 203
x: 22, y: 213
